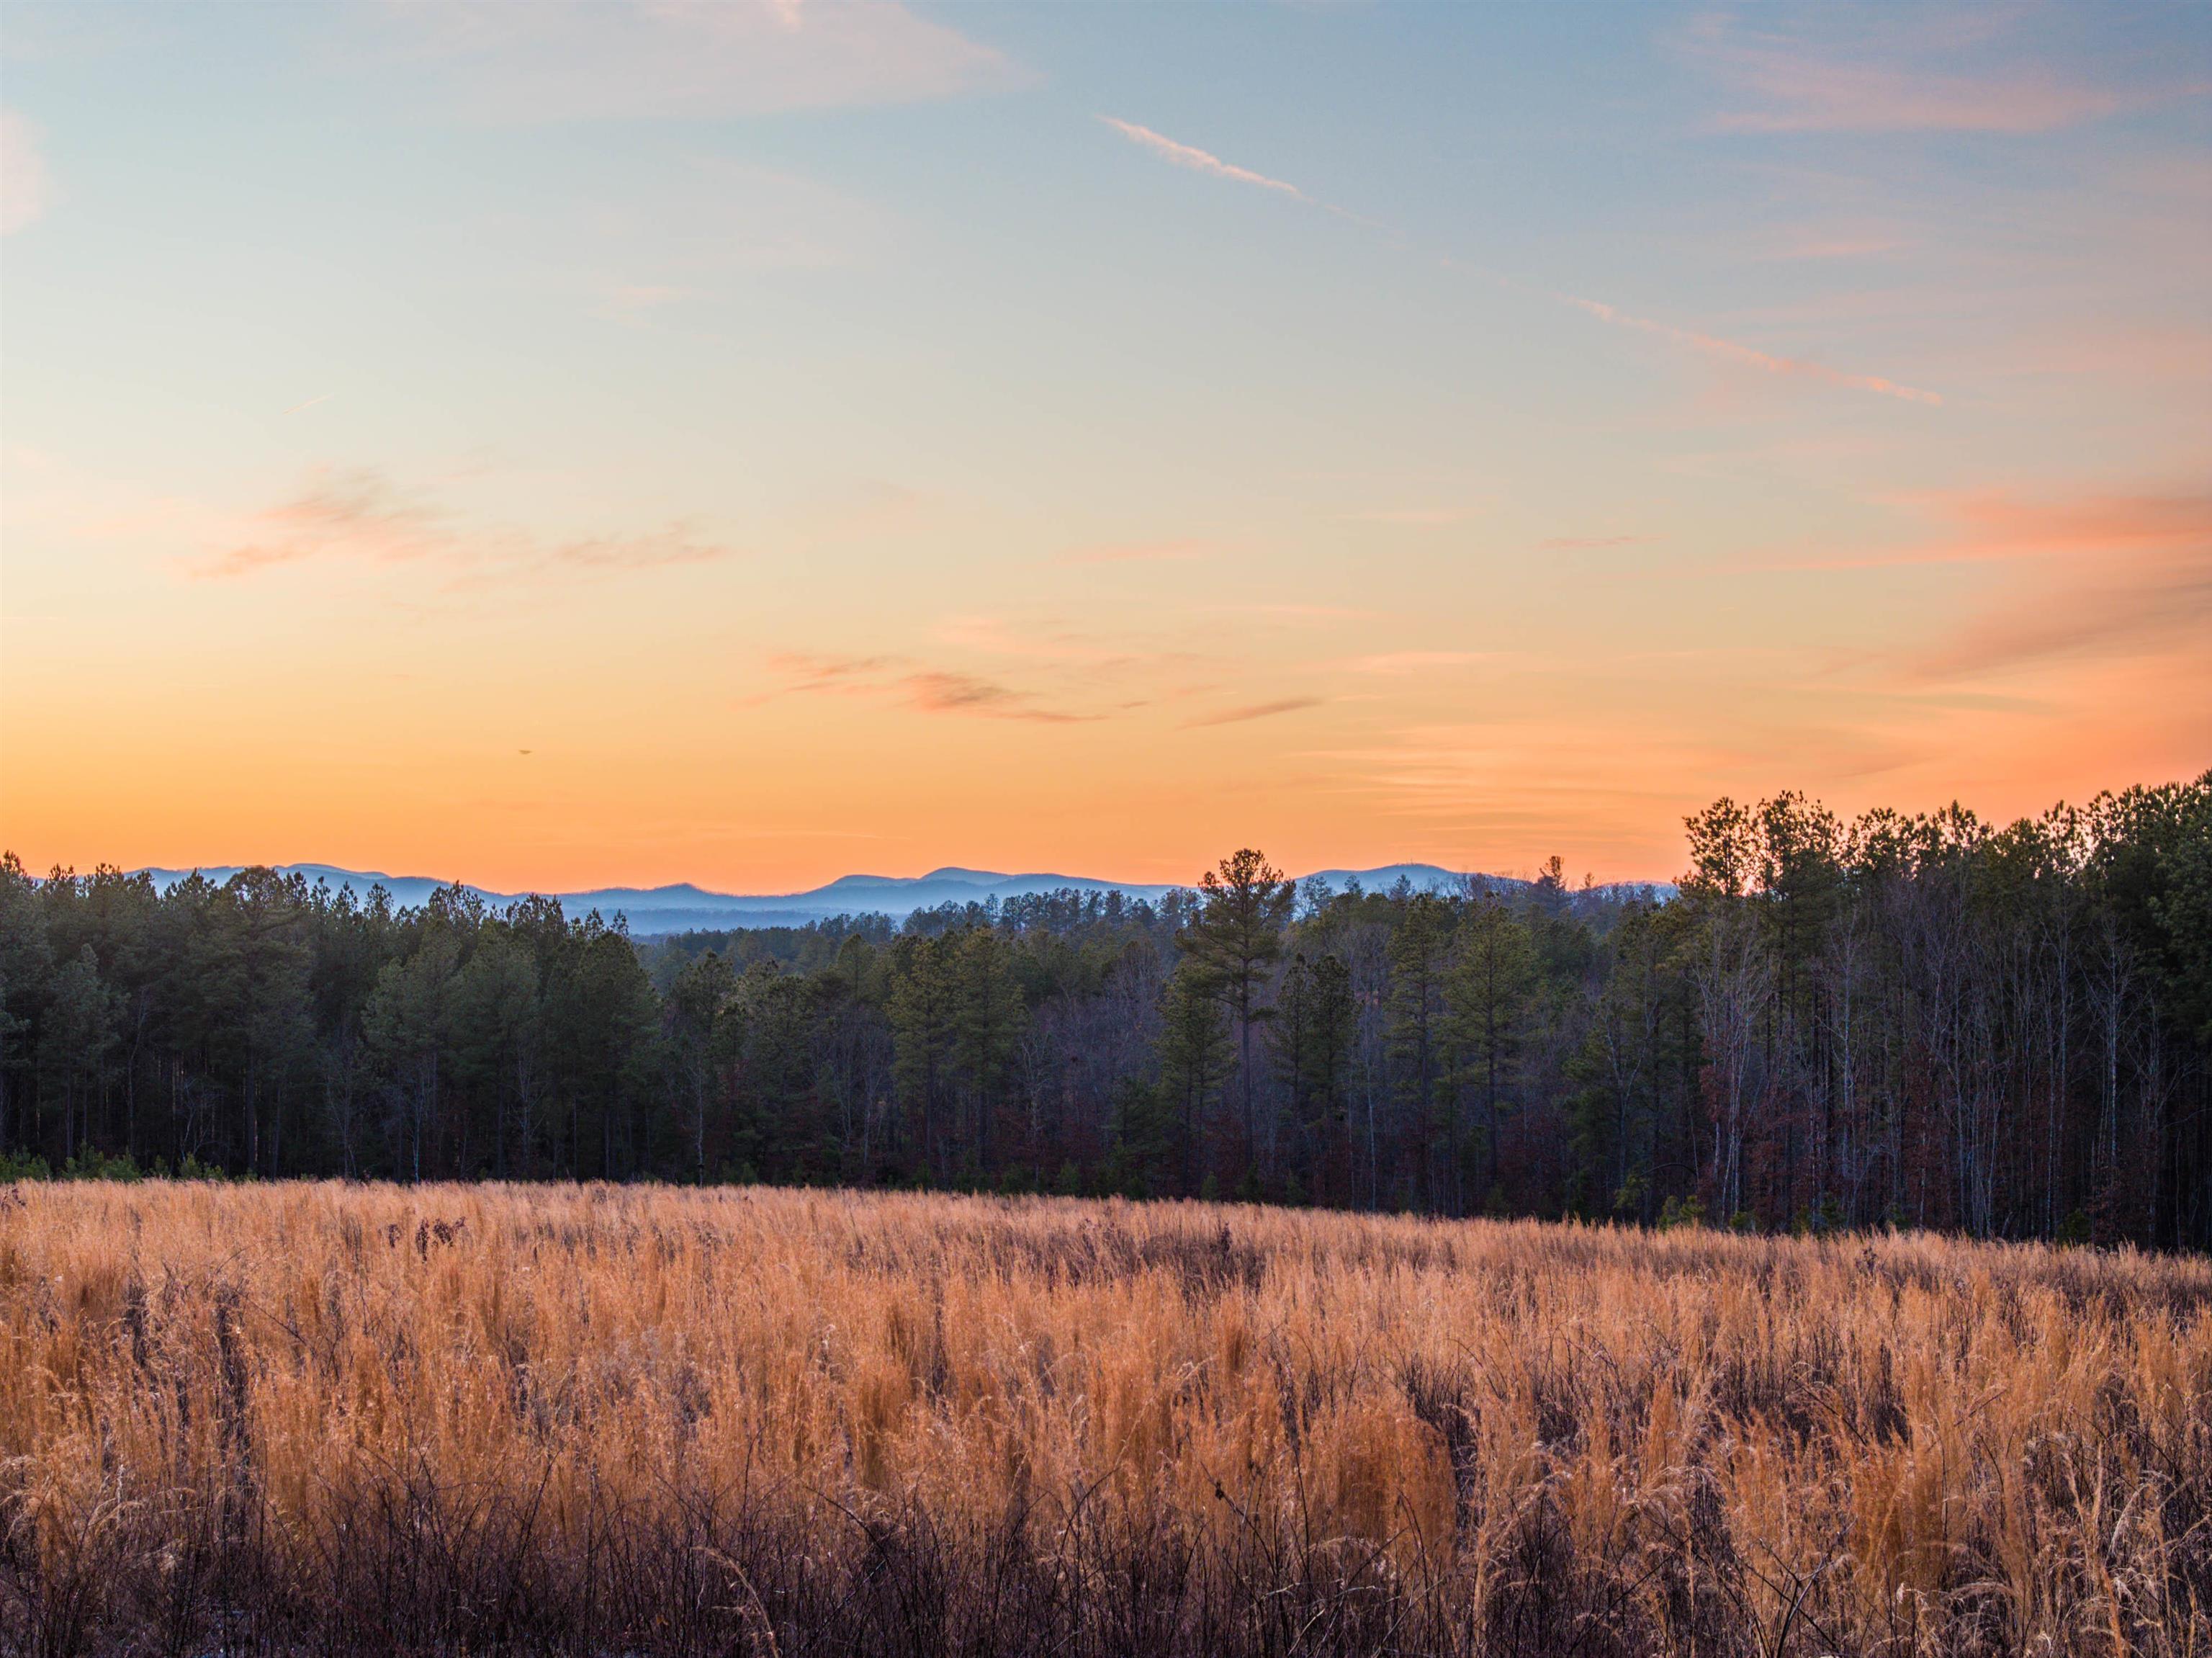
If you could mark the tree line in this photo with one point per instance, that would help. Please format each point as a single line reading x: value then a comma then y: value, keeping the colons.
x: 1925, y: 1020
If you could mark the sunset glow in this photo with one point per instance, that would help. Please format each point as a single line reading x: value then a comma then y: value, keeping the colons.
x: 552, y: 447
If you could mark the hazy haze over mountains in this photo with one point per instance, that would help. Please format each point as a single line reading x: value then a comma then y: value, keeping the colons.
x: 684, y: 906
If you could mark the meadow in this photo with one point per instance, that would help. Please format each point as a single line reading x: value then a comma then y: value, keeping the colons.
x: 295, y: 1417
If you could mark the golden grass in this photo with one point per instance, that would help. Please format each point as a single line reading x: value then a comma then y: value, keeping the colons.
x: 476, y: 1418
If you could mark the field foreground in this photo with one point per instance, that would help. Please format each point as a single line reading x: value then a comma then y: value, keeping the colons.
x: 292, y: 1419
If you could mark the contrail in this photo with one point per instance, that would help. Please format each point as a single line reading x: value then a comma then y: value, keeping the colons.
x: 1197, y: 160
x: 1201, y: 160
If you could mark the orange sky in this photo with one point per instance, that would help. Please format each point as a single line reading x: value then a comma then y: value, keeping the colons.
x: 648, y: 446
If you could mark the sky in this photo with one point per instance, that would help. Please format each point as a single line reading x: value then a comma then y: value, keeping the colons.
x: 551, y: 447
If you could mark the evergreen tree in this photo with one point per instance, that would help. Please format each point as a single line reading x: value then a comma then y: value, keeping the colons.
x: 1238, y: 935
x: 699, y: 1016
x: 1489, y: 995
x: 1420, y: 958
x: 1194, y: 1054
x: 987, y: 1019
x: 923, y: 1020
x: 1928, y: 1019
x: 1313, y: 1037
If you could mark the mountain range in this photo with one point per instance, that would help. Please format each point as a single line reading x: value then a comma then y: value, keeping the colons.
x: 685, y: 907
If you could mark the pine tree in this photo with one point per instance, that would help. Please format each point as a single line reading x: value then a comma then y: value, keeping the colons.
x: 700, y: 1009
x: 1489, y: 995
x: 1245, y: 904
x: 1194, y: 1054
x: 922, y: 1013
x: 1314, y: 1017
x: 1420, y: 953
x: 988, y: 1017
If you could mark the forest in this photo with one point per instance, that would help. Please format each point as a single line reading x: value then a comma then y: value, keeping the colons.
x: 1896, y: 1020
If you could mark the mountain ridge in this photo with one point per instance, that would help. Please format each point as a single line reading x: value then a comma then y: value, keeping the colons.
x: 684, y: 906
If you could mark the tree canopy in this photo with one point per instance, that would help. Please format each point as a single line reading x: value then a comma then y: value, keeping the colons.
x: 1928, y: 1021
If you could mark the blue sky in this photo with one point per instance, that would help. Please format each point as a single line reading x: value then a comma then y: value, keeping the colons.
x: 1088, y: 436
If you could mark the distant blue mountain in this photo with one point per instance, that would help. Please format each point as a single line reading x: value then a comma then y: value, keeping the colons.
x: 406, y: 890
x: 685, y: 907
x: 676, y: 908
x: 1421, y: 877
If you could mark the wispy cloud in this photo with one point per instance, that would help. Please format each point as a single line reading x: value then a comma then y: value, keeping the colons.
x: 1197, y: 160
x: 1584, y: 543
x: 807, y: 672
x: 1751, y: 357
x: 940, y: 692
x: 2001, y: 527
x: 1255, y: 711
x: 2140, y: 354
x: 358, y: 515
x: 2006, y: 525
x: 927, y: 690
x: 936, y: 691
x: 299, y: 408
x: 2113, y: 576
x: 1040, y: 639
x: 1714, y: 345
x: 532, y: 64
x: 2146, y: 606
x: 672, y: 545
x: 2093, y: 574
x: 1902, y: 71
x: 26, y: 186
x: 352, y: 513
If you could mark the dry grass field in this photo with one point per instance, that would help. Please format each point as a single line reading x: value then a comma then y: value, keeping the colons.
x: 316, y: 1418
